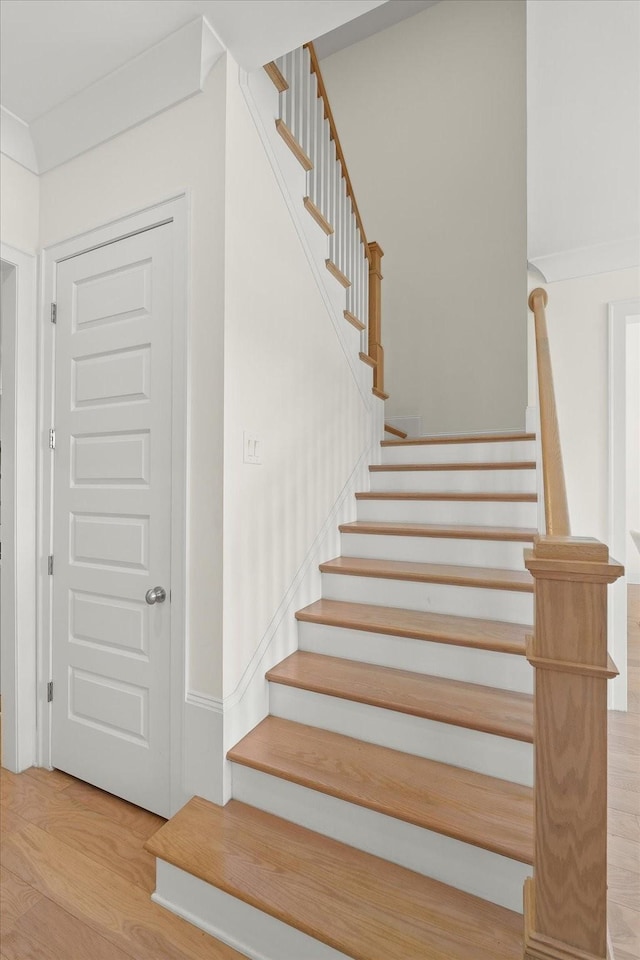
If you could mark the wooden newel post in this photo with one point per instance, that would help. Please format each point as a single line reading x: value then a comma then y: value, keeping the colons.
x: 566, y: 901
x: 375, y: 255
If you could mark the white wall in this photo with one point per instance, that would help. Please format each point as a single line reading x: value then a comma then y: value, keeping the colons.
x: 181, y: 148
x: 19, y: 206
x: 583, y: 98
x: 431, y: 114
x: 577, y: 317
x: 286, y: 380
x: 633, y: 450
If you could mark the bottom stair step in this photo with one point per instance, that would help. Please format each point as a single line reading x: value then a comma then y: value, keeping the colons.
x: 355, y: 903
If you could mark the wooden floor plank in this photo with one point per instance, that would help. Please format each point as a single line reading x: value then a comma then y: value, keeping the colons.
x: 377, y: 909
x: 52, y: 779
x: 141, y: 822
x: 113, y: 907
x: 47, y: 932
x: 494, y: 814
x: 83, y: 829
x: 500, y: 712
x: 490, y: 578
x: 419, y: 625
x: 16, y: 899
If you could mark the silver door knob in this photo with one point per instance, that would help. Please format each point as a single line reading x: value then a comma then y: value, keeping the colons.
x: 156, y: 595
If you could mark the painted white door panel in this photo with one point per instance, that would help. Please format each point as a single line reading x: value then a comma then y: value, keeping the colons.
x: 112, y: 518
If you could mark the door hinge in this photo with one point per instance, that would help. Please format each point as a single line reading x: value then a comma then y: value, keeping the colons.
x: 50, y: 691
x: 50, y: 565
x: 52, y: 438
x: 54, y: 313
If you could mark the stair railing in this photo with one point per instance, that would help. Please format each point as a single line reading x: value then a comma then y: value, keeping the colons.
x: 307, y: 126
x: 566, y: 900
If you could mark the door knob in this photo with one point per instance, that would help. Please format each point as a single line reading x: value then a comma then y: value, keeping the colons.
x: 156, y: 595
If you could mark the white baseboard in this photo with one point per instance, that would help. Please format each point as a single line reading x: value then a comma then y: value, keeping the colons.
x: 202, y: 750
x: 248, y: 930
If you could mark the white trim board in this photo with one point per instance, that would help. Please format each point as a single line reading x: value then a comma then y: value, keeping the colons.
x: 19, y: 514
x: 587, y: 261
x: 175, y: 211
x: 622, y: 313
x: 166, y: 74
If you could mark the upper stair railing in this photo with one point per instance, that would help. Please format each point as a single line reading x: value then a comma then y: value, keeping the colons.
x: 566, y: 900
x: 307, y: 126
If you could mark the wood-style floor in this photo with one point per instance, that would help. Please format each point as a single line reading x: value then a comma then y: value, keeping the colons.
x: 75, y: 879
x: 624, y: 804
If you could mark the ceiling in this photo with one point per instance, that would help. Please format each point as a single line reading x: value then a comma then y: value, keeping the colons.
x: 52, y: 49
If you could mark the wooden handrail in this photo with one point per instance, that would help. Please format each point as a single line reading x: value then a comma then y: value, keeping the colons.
x: 322, y: 92
x: 307, y: 125
x: 555, y: 493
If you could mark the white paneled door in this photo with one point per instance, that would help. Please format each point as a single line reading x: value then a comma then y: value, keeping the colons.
x: 112, y: 518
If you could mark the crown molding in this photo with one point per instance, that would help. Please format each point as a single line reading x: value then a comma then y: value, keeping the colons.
x: 589, y: 261
x: 166, y: 74
x: 16, y: 140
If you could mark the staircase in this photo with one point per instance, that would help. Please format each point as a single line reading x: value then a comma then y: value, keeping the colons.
x: 384, y: 809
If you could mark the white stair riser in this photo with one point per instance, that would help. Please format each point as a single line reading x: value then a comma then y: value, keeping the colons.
x: 483, y: 752
x: 248, y: 930
x: 494, y: 513
x: 504, y: 554
x: 508, y: 451
x: 462, y: 865
x: 503, y: 670
x: 508, y: 605
x: 455, y: 481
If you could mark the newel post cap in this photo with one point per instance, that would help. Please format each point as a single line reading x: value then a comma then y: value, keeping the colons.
x: 572, y: 558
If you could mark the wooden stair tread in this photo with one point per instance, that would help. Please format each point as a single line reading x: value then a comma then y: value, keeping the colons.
x: 446, y: 495
x: 500, y: 712
x: 451, y: 531
x: 356, y: 903
x: 481, y: 465
x: 494, y: 814
x: 394, y: 430
x: 460, y: 438
x: 489, y: 578
x: 492, y: 635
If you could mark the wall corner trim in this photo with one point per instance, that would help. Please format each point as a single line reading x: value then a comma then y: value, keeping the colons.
x: 588, y: 261
x: 16, y: 141
x: 160, y: 77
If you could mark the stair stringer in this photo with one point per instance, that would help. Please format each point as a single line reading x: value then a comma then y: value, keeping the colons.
x: 248, y: 704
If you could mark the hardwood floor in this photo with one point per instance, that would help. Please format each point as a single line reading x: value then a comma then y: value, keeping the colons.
x: 75, y: 879
x: 624, y: 804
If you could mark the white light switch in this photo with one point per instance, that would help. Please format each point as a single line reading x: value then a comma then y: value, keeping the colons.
x: 252, y: 448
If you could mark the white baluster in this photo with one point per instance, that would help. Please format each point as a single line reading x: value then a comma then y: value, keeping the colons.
x: 305, y: 113
x: 333, y: 202
x: 314, y: 146
x: 326, y: 170
x: 286, y: 97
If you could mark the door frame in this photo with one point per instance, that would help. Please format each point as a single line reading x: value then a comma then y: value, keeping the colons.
x: 18, y: 615
x: 176, y: 212
x: 620, y: 314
